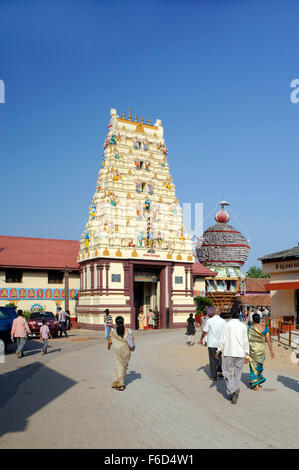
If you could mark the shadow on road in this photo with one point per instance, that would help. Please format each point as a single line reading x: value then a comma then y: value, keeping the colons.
x: 205, y: 368
x: 288, y: 382
x: 131, y: 376
x: 246, y: 379
x: 37, y: 385
x: 31, y: 347
x: 220, y: 384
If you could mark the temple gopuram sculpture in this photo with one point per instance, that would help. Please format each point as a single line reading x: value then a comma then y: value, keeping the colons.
x: 134, y: 252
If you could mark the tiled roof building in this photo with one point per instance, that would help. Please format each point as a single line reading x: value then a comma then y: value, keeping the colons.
x: 39, y: 273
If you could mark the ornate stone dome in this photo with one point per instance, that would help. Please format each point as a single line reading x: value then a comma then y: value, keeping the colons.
x: 222, y: 244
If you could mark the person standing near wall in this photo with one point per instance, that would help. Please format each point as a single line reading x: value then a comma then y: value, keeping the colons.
x: 151, y: 319
x: 108, y: 323
x: 19, y: 330
x: 141, y: 319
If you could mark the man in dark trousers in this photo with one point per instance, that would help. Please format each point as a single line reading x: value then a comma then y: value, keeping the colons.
x: 62, y: 317
x: 214, y: 328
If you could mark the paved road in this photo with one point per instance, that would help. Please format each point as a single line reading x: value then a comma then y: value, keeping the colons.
x: 65, y: 400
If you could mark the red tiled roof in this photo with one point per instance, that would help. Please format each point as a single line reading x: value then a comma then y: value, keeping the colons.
x: 256, y: 300
x: 38, y: 253
x: 200, y: 270
x: 256, y: 284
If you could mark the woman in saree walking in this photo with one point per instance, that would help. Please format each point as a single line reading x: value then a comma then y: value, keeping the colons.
x: 121, y: 352
x: 258, y: 336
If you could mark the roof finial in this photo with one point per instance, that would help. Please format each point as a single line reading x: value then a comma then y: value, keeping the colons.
x: 130, y: 116
x: 222, y: 217
x: 223, y: 204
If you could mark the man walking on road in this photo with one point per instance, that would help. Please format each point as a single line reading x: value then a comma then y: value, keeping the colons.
x: 19, y: 330
x: 234, y: 347
x: 62, y: 317
x: 214, y: 328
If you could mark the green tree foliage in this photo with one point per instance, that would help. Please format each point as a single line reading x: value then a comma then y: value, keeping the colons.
x: 256, y: 272
x: 26, y: 314
x: 201, y: 303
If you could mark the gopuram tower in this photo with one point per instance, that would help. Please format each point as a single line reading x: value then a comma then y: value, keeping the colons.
x: 134, y: 252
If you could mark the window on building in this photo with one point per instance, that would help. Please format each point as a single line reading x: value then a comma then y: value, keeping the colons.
x: 13, y: 275
x: 231, y: 286
x: 221, y: 285
x: 115, y: 278
x: 55, y: 277
x: 178, y: 279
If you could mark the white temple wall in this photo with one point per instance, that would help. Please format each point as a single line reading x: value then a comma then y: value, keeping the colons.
x: 282, y: 303
x: 98, y: 319
x: 116, y: 269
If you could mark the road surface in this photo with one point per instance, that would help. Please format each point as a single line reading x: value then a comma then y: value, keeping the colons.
x: 65, y: 399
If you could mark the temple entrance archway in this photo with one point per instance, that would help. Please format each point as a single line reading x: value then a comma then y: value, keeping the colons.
x: 146, y: 292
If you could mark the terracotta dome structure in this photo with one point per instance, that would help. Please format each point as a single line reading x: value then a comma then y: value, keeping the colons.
x: 223, y: 249
x: 223, y: 245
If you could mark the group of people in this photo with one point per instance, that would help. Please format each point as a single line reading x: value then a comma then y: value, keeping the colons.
x: 231, y: 344
x: 152, y: 319
x: 263, y: 312
x: 20, y: 330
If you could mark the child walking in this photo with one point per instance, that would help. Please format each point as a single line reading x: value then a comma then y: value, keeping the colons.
x: 44, y: 334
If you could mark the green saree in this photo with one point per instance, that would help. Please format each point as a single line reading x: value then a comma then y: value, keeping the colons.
x: 257, y: 354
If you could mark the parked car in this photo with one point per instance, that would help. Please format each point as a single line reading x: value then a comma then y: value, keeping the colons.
x: 36, y: 321
x: 7, y: 316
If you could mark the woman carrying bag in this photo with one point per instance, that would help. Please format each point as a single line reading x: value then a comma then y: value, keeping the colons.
x: 122, y: 342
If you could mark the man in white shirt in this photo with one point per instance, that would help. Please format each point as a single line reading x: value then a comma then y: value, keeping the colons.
x: 214, y: 329
x: 234, y: 347
x: 256, y: 310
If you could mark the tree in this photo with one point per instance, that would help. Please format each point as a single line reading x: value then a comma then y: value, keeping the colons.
x: 256, y: 272
x: 202, y: 303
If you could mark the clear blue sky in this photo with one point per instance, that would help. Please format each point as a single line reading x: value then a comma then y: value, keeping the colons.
x: 217, y: 73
